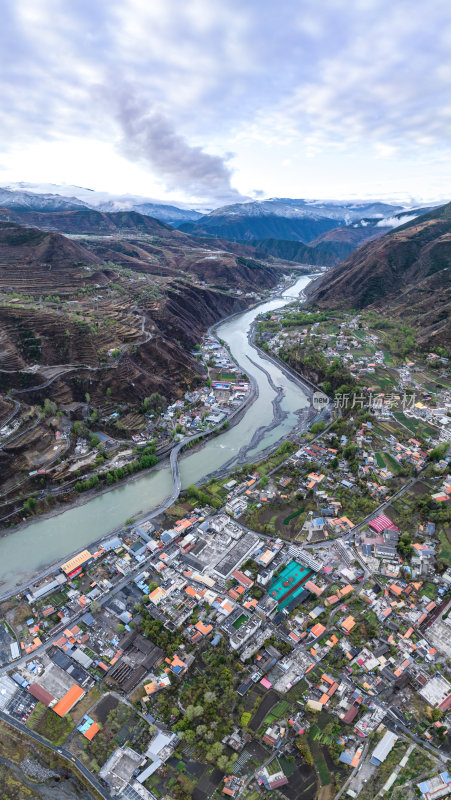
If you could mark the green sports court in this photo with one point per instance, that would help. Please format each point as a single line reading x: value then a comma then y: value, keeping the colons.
x: 290, y: 583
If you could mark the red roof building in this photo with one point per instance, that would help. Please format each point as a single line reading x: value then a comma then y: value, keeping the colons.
x: 41, y: 694
x: 382, y: 523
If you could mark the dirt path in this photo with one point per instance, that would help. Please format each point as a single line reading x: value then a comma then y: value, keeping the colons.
x: 325, y: 793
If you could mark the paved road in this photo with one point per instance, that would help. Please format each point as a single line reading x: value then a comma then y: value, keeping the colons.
x: 12, y: 415
x: 397, y: 723
x: 47, y: 466
x: 173, y: 458
x: 66, y: 368
x: 102, y: 599
x: 175, y: 452
x: 353, y: 773
x: 73, y: 761
x: 21, y: 432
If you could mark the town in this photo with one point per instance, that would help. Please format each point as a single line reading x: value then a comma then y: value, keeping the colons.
x: 282, y: 630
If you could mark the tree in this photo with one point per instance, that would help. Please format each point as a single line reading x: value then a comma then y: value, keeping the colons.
x: 439, y: 452
x: 222, y: 763
x: 50, y: 407
x: 405, y: 546
x: 30, y: 505
x: 231, y: 762
x: 216, y: 749
x: 303, y: 747
x: 78, y: 429
x: 350, y: 451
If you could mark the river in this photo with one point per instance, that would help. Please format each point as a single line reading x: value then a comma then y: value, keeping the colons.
x: 26, y: 551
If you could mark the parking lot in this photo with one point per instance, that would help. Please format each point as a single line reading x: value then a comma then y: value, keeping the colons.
x: 21, y: 704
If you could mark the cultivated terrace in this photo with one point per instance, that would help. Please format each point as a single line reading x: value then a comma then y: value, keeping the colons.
x: 100, y: 354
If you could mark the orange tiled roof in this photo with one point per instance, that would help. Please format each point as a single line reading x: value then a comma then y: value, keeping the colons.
x: 68, y: 701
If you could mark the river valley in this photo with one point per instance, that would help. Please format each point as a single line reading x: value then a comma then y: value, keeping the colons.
x: 27, y: 550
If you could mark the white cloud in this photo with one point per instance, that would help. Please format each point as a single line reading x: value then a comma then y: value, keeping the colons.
x: 395, y: 222
x: 301, y: 94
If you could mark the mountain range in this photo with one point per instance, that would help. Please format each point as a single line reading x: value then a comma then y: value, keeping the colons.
x: 49, y: 197
x: 305, y: 231
x: 87, y: 220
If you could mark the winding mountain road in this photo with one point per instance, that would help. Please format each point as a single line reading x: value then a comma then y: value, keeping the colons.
x: 66, y: 754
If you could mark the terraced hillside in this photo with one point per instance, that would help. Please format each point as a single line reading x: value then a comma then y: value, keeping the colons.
x: 92, y: 325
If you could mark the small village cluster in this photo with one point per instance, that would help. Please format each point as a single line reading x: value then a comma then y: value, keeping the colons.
x: 200, y: 411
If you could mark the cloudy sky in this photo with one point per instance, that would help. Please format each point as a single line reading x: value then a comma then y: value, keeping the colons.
x: 210, y: 101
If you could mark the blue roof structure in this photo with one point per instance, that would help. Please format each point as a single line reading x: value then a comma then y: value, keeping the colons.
x: 85, y: 724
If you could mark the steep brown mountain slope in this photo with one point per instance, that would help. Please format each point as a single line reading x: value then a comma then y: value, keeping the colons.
x: 113, y: 318
x: 405, y: 273
x: 65, y: 305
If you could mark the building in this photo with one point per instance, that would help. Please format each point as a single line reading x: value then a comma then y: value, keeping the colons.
x: 439, y: 786
x: 161, y: 746
x: 67, y: 702
x: 75, y: 565
x: 272, y: 781
x: 36, y: 592
x: 243, y: 579
x: 382, y: 523
x: 383, y: 748
x: 236, y: 507
x: 41, y: 694
x: 274, y: 735
x: 8, y: 689
x: 437, y: 692
x: 15, y: 652
x: 120, y: 768
x: 232, y: 786
x: 88, y: 728
x: 351, y: 757
x: 138, y: 657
